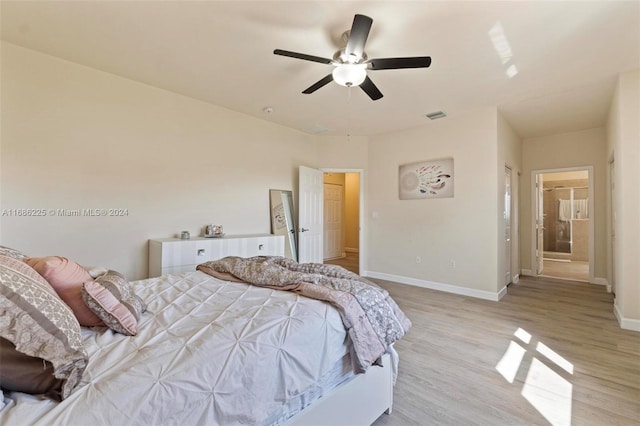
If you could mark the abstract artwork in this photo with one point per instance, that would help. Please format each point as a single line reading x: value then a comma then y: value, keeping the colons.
x: 427, y: 179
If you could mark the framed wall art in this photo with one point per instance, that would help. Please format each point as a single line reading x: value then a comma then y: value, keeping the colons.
x: 426, y: 179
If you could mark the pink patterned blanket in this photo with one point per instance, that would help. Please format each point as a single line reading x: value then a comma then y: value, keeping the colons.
x: 372, y: 318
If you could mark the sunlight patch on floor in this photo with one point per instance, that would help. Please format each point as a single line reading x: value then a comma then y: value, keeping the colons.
x: 523, y: 335
x: 510, y: 362
x: 549, y: 393
x: 553, y: 356
x: 545, y: 389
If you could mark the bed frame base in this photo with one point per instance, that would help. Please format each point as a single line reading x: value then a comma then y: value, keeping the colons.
x: 360, y: 401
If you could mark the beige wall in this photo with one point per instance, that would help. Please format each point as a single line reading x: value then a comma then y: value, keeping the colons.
x: 623, y: 145
x: 575, y: 149
x: 74, y: 137
x: 462, y: 229
x: 340, y: 152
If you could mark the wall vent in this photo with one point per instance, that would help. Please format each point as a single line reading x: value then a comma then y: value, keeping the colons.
x: 435, y: 115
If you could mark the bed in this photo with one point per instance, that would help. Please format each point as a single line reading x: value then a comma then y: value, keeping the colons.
x: 213, y: 351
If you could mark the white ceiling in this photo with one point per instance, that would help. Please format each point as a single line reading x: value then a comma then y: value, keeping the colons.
x: 567, y: 53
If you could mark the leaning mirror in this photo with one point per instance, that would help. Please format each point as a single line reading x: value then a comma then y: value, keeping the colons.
x: 282, y: 222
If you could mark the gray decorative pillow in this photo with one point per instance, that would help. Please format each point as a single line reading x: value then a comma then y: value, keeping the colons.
x: 6, y: 251
x: 112, y: 299
x: 39, y: 324
x: 96, y: 271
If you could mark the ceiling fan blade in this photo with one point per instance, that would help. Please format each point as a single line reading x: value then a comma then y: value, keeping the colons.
x: 358, y: 35
x: 302, y: 56
x: 397, y: 63
x: 328, y: 79
x: 371, y: 89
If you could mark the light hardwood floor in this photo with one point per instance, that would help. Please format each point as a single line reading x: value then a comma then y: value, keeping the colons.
x: 574, y: 270
x: 449, y: 359
x: 350, y: 262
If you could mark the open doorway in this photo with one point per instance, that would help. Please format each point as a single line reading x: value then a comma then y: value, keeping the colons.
x: 341, y: 235
x: 564, y: 227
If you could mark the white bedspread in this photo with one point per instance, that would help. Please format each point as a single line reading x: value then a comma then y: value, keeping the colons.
x: 207, y: 352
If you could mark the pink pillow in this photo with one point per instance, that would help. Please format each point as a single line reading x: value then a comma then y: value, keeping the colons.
x: 66, y: 277
x: 111, y: 297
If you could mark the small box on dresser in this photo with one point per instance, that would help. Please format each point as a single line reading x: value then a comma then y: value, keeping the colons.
x: 174, y: 255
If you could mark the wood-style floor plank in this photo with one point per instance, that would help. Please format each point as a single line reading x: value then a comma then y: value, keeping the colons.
x: 448, y: 360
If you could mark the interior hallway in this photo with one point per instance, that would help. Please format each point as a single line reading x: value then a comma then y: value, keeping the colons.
x: 349, y: 262
x: 573, y: 270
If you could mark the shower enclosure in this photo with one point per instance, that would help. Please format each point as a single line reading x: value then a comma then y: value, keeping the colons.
x: 565, y: 211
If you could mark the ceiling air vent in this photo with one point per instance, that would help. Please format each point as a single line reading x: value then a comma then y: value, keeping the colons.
x: 435, y: 115
x: 316, y: 129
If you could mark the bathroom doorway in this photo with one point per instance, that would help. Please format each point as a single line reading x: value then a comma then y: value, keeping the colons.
x: 564, y: 229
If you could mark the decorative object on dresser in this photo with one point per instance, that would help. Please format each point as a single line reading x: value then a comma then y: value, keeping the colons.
x: 213, y: 231
x: 174, y: 255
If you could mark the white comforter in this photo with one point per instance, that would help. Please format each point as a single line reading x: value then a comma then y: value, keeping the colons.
x: 207, y: 352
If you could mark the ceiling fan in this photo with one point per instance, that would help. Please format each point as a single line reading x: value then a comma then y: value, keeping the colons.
x: 351, y: 63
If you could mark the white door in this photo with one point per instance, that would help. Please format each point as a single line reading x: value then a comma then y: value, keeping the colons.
x: 539, y: 225
x: 310, y: 209
x: 507, y: 225
x: 333, y: 212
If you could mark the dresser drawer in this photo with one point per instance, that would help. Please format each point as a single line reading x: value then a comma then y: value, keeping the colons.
x: 174, y: 255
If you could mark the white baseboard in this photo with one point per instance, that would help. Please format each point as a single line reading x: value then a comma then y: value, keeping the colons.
x: 526, y: 272
x: 516, y: 279
x: 501, y: 293
x: 449, y: 288
x: 625, y: 323
x: 351, y: 250
x: 600, y: 281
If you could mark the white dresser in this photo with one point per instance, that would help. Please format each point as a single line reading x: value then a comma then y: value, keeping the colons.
x: 173, y: 255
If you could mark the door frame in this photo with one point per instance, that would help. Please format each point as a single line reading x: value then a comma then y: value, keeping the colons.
x: 362, y: 225
x: 534, y: 195
x: 539, y: 224
x: 611, y: 287
x: 508, y: 221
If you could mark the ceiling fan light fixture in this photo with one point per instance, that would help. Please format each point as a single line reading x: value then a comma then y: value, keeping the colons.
x: 352, y: 64
x: 349, y: 75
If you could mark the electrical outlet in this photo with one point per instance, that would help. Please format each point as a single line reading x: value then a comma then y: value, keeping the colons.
x: 452, y: 264
x: 418, y: 259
